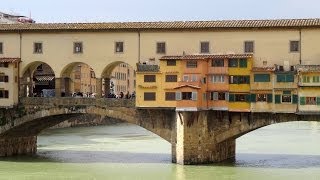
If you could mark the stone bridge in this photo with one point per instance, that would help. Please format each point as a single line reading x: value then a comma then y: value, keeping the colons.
x: 196, y: 137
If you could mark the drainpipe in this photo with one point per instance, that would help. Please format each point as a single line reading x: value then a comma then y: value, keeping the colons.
x: 300, y: 43
x: 139, y: 48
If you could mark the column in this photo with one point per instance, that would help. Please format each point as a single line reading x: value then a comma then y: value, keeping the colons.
x: 106, y: 86
x: 99, y: 87
x: 195, y: 141
x: 58, y: 87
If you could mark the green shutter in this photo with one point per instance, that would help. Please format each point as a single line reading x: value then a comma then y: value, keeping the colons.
x: 277, y: 99
x: 247, y: 78
x: 281, y: 78
x: 243, y: 63
x: 302, y: 100
x: 318, y: 100
x: 289, y: 78
x: 231, y: 97
x: 294, y: 99
x: 247, y: 97
x: 261, y: 77
x: 269, y: 98
x: 253, y: 97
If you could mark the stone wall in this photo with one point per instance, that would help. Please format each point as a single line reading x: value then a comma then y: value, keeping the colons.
x: 18, y: 146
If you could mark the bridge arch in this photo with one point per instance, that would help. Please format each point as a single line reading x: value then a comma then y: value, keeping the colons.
x: 36, y: 77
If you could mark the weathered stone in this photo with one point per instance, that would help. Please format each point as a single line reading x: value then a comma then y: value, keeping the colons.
x: 11, y: 146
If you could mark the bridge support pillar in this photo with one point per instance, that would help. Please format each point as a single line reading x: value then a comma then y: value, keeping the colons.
x: 99, y: 87
x: 195, y: 142
x: 58, y: 87
x: 10, y: 146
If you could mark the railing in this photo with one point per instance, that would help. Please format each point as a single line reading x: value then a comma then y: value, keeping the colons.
x: 71, y: 101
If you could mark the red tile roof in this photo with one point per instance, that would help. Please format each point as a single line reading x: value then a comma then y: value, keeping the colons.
x: 262, y: 69
x: 206, y: 56
x: 10, y: 60
x: 175, y: 25
x: 308, y: 68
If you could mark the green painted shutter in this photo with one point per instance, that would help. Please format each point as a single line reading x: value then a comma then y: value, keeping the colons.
x: 294, y: 99
x: 318, y: 100
x: 302, y: 100
x: 289, y: 78
x: 277, y: 99
x: 231, y: 97
x: 269, y: 98
x: 178, y: 96
x: 247, y: 97
x: 261, y: 77
x: 243, y: 63
x: 253, y: 97
x: 195, y: 96
x: 247, y: 79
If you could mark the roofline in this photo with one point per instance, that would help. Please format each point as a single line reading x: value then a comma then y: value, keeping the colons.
x: 164, y: 26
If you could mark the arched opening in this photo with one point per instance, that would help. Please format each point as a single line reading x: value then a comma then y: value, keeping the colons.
x: 38, y: 80
x: 119, y: 80
x: 78, y: 80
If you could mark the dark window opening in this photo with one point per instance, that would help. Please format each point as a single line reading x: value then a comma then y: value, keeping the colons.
x: 186, y: 95
x: 171, y: 78
x: 248, y: 46
x: 149, y: 96
x: 119, y: 47
x: 170, y: 96
x: 217, y: 63
x: 77, y: 47
x: 37, y: 48
x: 149, y: 78
x: 204, y: 47
x: 171, y: 62
x: 161, y: 47
x: 294, y: 46
x: 192, y: 64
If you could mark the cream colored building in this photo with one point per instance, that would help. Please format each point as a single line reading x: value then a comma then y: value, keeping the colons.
x: 103, y: 46
x: 123, y: 79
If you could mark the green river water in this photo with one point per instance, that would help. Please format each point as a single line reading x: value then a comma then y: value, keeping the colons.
x: 281, y: 151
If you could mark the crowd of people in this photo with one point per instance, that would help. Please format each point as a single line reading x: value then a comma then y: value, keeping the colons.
x: 122, y: 95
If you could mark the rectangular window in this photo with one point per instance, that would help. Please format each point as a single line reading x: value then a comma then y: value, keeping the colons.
x: 286, y: 98
x: 161, y: 47
x: 4, y: 78
x: 294, y: 46
x: 315, y: 79
x: 192, y: 64
x: 4, y: 64
x: 285, y: 78
x: 194, y: 78
x: 243, y: 63
x: 149, y: 78
x: 186, y: 95
x: 1, y: 47
x: 185, y: 78
x: 239, y: 80
x: 217, y: 78
x: 217, y: 63
x: 77, y: 47
x: 261, y: 97
x: 149, y: 96
x: 242, y: 97
x: 248, y: 46
x: 171, y: 78
x: 37, y: 48
x: 233, y: 63
x: 119, y: 47
x: 4, y: 94
x: 261, y: 77
x: 311, y: 101
x: 171, y: 62
x: 204, y: 47
x: 170, y: 96
x: 221, y: 96
x: 306, y: 79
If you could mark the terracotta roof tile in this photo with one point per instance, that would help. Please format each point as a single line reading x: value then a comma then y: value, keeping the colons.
x: 178, y: 25
x: 262, y: 69
x: 10, y: 60
x: 206, y: 56
x: 308, y: 68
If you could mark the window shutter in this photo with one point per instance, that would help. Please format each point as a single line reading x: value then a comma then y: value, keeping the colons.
x: 194, y: 96
x: 277, y: 99
x: 295, y: 99
x: 243, y: 63
x: 269, y: 98
x: 248, y: 97
x: 289, y: 78
x: 302, y: 100
x: 178, y: 96
x: 318, y: 100
x: 280, y: 78
x: 231, y: 97
x: 253, y: 97
x: 247, y: 78
x: 215, y: 96
x: 226, y: 96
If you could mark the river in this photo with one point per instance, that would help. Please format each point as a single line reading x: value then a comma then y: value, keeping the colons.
x: 123, y: 151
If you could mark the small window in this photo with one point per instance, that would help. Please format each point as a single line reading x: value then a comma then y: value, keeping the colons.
x: 239, y: 80
x: 261, y: 77
x: 217, y: 78
x: 185, y: 78
x: 4, y: 64
x: 217, y: 63
x: 161, y: 47
x: 4, y: 94
x: 217, y: 96
x: 243, y: 63
x: 192, y: 64
x: 233, y: 63
x: 1, y: 47
x: 241, y: 97
x: 248, y: 46
x: 171, y: 78
x: 286, y: 98
x: 315, y: 79
x: 149, y: 96
x: 204, y: 47
x: 171, y: 62
x: 77, y: 47
x: 194, y: 78
x: 149, y: 78
x: 186, y: 95
x: 311, y: 101
x: 294, y: 46
x: 261, y: 97
x: 37, y: 48
x: 170, y: 96
x: 306, y: 79
x: 119, y: 47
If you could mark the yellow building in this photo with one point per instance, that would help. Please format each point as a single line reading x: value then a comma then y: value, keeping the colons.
x: 309, y: 89
x: 239, y: 82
